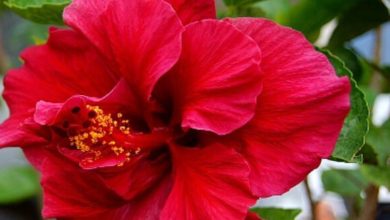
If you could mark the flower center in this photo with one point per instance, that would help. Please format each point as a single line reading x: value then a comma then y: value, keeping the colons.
x: 107, y: 139
x: 104, y: 131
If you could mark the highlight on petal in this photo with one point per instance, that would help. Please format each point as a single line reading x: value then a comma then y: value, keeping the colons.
x: 300, y: 112
x: 194, y: 10
x: 140, y: 39
x: 209, y: 183
x: 217, y: 79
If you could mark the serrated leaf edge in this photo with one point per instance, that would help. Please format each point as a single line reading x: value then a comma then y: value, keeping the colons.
x: 12, y: 5
x: 353, y: 84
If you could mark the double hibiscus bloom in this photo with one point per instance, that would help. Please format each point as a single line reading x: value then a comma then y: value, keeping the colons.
x: 152, y: 109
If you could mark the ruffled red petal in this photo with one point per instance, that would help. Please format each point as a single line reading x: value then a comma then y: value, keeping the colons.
x: 54, y: 115
x: 300, y: 111
x: 194, y: 10
x: 138, y: 177
x: 209, y: 183
x: 15, y: 133
x: 70, y: 191
x: 140, y: 39
x: 73, y: 193
x: 217, y: 79
x: 146, y: 208
x: 67, y: 65
x: 119, y: 99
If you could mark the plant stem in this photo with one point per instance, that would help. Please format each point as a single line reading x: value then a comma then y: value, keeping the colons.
x: 376, y: 83
x: 3, y: 56
x: 310, y: 198
x: 370, y: 206
x: 378, y: 45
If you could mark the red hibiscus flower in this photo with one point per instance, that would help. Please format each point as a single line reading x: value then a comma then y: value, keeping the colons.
x: 156, y: 110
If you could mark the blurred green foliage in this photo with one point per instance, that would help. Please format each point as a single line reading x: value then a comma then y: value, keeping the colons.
x: 19, y: 35
x: 380, y: 176
x: 276, y: 213
x: 17, y: 184
x: 308, y: 16
x: 40, y: 11
x: 351, y: 18
x: 355, y: 128
x: 353, y: 182
x: 358, y: 19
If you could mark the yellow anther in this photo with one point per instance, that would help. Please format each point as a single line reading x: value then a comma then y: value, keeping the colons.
x: 121, y: 164
x: 101, y: 132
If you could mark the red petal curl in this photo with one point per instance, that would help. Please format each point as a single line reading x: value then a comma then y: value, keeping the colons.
x: 140, y: 39
x: 216, y: 82
x: 300, y: 111
x: 194, y: 10
x: 209, y: 183
x: 66, y: 65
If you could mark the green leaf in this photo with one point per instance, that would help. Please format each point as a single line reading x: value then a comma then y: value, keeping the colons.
x: 370, y: 95
x: 361, y: 68
x: 242, y: 8
x: 355, y: 128
x: 273, y: 8
x: 379, y: 139
x: 359, y: 19
x: 350, y: 59
x: 17, y: 183
x: 378, y: 175
x: 344, y: 182
x: 276, y: 213
x: 239, y: 2
x: 1, y: 5
x: 367, y: 72
x: 308, y: 16
x: 387, y: 4
x: 248, y: 11
x: 385, y: 71
x: 40, y: 11
x: 369, y: 155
